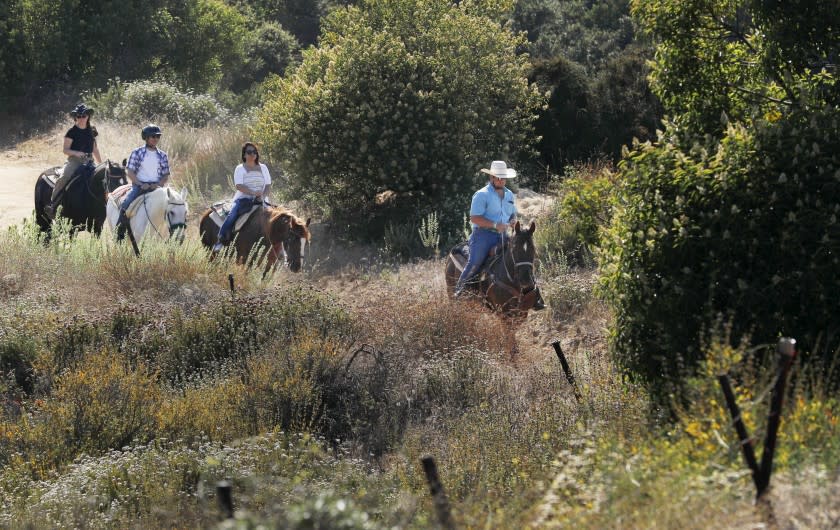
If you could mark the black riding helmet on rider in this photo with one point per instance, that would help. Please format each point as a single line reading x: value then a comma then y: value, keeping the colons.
x: 81, y: 110
x: 150, y: 130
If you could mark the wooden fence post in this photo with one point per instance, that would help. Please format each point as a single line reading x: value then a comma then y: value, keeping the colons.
x: 438, y: 495
x: 787, y: 352
x: 566, y: 370
x: 224, y: 494
x: 743, y: 437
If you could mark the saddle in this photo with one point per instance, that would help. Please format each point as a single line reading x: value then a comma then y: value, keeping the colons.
x: 119, y: 195
x: 51, y: 177
x: 220, y: 210
x: 460, y: 254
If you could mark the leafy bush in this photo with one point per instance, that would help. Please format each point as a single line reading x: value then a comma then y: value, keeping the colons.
x: 746, y: 230
x: 144, y: 101
x: 401, y: 96
x: 572, y: 229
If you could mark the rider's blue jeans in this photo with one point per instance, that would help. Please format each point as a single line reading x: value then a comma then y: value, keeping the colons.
x: 239, y: 205
x: 133, y: 194
x: 482, y: 240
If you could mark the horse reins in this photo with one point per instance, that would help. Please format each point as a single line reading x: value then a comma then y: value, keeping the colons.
x: 516, y: 294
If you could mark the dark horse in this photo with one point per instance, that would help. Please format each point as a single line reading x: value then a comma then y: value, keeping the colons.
x: 83, y: 201
x: 505, y: 283
x: 276, y: 230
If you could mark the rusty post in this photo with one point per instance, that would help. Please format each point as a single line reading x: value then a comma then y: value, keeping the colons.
x: 438, y: 495
x: 230, y: 281
x: 786, y: 349
x: 224, y: 494
x: 740, y: 428
x: 566, y: 370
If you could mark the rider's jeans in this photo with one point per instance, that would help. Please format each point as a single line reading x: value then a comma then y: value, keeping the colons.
x: 481, y: 242
x: 133, y: 194
x: 239, y: 205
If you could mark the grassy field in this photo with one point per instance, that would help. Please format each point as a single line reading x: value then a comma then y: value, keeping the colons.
x: 131, y: 387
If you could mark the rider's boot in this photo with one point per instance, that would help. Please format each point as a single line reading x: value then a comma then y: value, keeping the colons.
x: 51, y: 208
x: 122, y: 226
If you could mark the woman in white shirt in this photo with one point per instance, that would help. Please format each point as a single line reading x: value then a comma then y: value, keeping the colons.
x: 252, y: 182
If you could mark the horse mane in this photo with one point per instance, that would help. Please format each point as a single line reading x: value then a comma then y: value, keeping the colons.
x: 275, y: 212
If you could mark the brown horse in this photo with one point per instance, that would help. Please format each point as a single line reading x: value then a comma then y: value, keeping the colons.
x: 505, y: 283
x: 272, y: 230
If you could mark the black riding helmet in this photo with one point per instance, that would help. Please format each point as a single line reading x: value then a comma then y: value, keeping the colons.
x: 150, y: 130
x: 81, y: 110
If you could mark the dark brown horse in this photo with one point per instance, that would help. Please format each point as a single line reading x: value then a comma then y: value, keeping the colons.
x: 83, y: 202
x: 505, y: 283
x: 269, y: 233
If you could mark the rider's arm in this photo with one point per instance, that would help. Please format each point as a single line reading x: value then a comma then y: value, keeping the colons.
x: 265, y: 191
x: 484, y: 222
x: 69, y: 152
x: 132, y: 176
x: 96, y: 153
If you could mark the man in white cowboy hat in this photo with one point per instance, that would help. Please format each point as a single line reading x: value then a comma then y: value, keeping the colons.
x: 492, y: 211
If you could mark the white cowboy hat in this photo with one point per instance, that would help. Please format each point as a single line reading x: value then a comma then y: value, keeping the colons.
x: 500, y: 170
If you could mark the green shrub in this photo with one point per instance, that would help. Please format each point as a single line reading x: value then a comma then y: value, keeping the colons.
x: 584, y: 207
x: 745, y: 230
x: 144, y: 101
x: 401, y: 97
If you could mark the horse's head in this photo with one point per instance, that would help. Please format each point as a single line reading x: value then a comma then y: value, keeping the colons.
x: 523, y: 253
x: 114, y: 176
x: 176, y: 213
x: 288, y: 230
x: 295, y: 243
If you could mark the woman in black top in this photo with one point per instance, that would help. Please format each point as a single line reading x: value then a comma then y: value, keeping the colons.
x: 79, y: 146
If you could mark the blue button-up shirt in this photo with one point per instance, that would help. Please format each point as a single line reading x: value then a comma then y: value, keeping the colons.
x: 136, y: 158
x: 487, y: 203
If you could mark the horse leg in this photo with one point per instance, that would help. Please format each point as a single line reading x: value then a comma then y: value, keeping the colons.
x: 271, y: 261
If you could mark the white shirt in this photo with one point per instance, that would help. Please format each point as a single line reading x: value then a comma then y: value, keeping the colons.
x: 255, y: 180
x: 148, y: 171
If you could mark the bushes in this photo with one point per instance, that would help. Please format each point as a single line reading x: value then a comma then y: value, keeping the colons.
x: 143, y: 101
x: 746, y: 230
x: 401, y: 98
x: 584, y: 207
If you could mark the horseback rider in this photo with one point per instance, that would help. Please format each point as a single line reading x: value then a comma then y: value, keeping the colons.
x: 253, y: 182
x: 79, y: 146
x: 492, y: 212
x: 147, y: 170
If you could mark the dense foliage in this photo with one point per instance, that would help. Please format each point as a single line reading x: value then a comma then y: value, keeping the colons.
x: 732, y: 213
x: 195, y: 44
x: 403, y: 98
x: 587, y: 58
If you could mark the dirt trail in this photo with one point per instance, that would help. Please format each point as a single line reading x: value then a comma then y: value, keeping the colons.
x: 18, y: 173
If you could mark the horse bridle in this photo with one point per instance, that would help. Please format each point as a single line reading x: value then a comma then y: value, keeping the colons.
x: 172, y: 226
x: 516, y: 294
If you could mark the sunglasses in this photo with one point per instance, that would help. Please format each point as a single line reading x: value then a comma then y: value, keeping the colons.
x: 154, y: 136
x: 250, y: 151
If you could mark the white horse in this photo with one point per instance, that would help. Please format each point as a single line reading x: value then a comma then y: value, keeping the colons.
x: 162, y: 212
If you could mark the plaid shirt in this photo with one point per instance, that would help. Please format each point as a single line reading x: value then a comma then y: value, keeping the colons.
x: 136, y: 158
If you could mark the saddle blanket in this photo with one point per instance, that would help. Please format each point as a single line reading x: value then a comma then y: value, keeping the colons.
x: 119, y: 195
x: 220, y: 210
